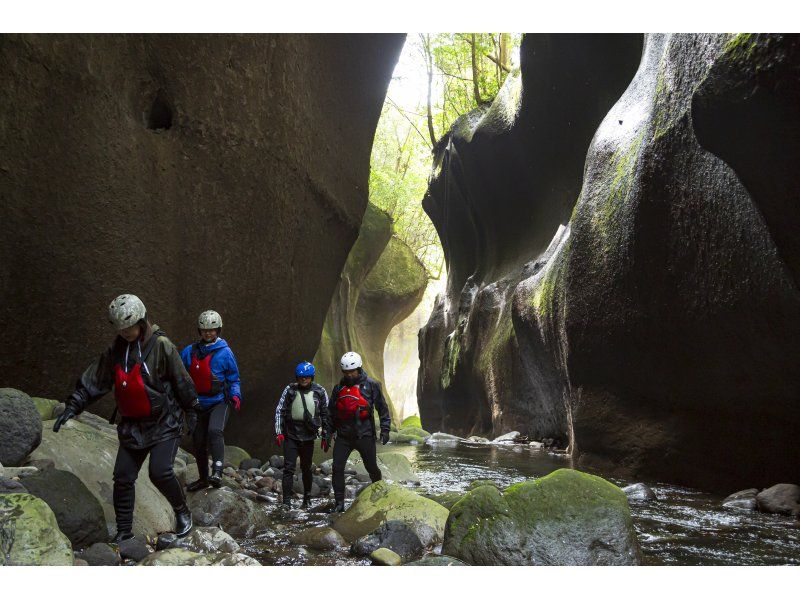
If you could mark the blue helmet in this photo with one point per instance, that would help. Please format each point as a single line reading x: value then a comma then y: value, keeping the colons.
x: 305, y: 369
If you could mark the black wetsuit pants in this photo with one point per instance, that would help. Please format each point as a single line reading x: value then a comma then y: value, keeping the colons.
x: 126, y: 470
x: 291, y: 450
x: 342, y: 448
x: 210, y: 426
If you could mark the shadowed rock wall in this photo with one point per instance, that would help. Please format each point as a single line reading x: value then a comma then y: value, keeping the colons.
x: 504, y: 180
x: 196, y: 171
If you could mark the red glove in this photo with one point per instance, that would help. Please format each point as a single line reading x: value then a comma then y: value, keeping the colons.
x: 280, y: 439
x: 324, y: 445
x: 237, y: 402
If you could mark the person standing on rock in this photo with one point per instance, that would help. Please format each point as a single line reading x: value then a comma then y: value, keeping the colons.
x: 353, y: 403
x: 154, y: 394
x: 213, y: 369
x: 302, y: 410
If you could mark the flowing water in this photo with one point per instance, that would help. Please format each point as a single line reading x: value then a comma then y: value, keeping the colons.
x: 683, y: 527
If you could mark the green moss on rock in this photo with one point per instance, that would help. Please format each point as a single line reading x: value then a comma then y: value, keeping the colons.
x: 235, y: 455
x: 44, y: 407
x: 381, y: 502
x: 412, y: 421
x: 565, y: 518
x: 398, y: 272
x: 37, y: 538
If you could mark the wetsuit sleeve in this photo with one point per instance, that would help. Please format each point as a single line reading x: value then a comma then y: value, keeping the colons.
x: 279, y: 412
x: 232, y: 376
x: 332, y: 406
x: 325, y: 415
x: 383, y: 408
x: 96, y: 382
x: 182, y: 383
x: 186, y: 356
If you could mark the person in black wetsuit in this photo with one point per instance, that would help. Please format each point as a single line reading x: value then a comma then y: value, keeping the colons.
x: 352, y: 405
x: 154, y: 394
x: 302, y: 410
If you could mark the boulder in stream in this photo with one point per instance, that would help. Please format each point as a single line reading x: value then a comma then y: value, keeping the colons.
x: 384, y: 556
x: 225, y: 508
x: 319, y: 538
x: 565, y: 518
x: 744, y: 500
x: 397, y: 536
x: 381, y: 502
x: 783, y: 499
x: 183, y: 557
x: 639, y: 492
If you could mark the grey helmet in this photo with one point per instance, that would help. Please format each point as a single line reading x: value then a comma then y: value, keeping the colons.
x: 125, y: 311
x: 209, y: 320
x: 351, y: 361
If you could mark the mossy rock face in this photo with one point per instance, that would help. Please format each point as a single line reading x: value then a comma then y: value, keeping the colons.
x: 319, y: 538
x: 447, y: 499
x: 235, y: 455
x: 413, y: 421
x: 44, y: 407
x: 381, y: 502
x: 413, y: 431
x: 37, y: 539
x: 565, y: 518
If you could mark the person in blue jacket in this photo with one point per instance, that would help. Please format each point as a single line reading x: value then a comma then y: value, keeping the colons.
x: 212, y: 366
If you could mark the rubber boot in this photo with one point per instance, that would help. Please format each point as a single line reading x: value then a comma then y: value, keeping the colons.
x: 183, y: 521
x: 287, y: 501
x: 198, y: 485
x: 306, y: 501
x: 121, y: 537
x: 339, y: 508
x: 216, y: 474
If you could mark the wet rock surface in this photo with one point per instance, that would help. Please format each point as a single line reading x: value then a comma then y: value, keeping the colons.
x: 20, y: 426
x: 565, y: 518
x: 199, y: 139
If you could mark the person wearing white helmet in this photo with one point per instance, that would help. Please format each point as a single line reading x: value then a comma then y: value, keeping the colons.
x: 215, y: 373
x: 154, y: 394
x: 352, y: 405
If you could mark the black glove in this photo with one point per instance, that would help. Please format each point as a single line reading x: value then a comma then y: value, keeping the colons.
x: 68, y: 414
x: 384, y: 436
x: 191, y: 422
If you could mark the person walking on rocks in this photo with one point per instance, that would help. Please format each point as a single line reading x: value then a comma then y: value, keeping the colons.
x: 154, y: 394
x: 213, y: 368
x: 302, y: 411
x: 353, y: 402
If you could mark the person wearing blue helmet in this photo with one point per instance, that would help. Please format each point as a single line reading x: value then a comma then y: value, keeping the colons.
x: 212, y: 366
x: 302, y: 411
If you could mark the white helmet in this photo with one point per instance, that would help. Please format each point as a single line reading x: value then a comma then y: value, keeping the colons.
x: 351, y: 361
x: 209, y: 320
x: 125, y: 311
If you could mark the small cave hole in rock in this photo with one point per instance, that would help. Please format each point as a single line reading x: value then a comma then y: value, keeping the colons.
x: 159, y: 117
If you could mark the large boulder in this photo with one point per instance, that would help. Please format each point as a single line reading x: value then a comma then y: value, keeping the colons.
x: 181, y: 557
x: 228, y: 510
x: 438, y: 560
x: 153, y: 131
x: 381, y: 502
x: 78, y: 512
x: 20, y: 426
x: 565, y: 518
x: 34, y: 529
x: 87, y: 448
x: 783, y: 499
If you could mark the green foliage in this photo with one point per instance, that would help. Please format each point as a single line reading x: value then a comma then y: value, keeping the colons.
x: 401, y: 151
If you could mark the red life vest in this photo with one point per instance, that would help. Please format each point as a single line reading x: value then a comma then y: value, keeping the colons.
x: 350, y: 404
x: 131, y: 395
x: 204, y: 379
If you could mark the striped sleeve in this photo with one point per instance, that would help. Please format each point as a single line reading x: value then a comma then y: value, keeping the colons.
x: 278, y: 410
